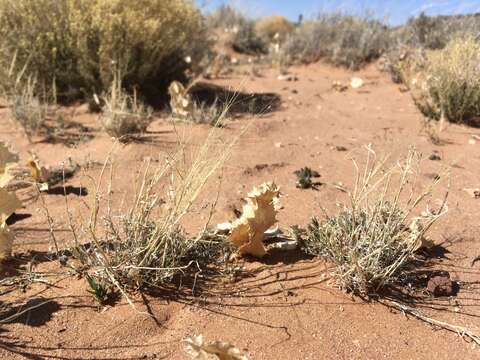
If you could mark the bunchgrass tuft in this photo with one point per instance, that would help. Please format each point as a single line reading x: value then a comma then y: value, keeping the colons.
x: 124, y: 115
x: 374, y: 239
x: 145, y: 244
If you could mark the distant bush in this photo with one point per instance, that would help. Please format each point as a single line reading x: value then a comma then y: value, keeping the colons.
x: 436, y: 32
x: 341, y: 40
x: 449, y: 85
x: 70, y: 45
x: 225, y: 17
x: 274, y: 26
x: 247, y: 41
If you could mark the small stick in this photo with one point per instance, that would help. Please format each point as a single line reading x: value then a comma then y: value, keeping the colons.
x: 463, y: 332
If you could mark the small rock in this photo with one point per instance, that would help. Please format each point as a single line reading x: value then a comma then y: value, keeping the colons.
x: 340, y: 148
x: 441, y: 285
x: 356, y: 83
x: 435, y: 157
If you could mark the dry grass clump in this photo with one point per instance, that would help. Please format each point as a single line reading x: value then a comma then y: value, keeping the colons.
x: 70, y: 45
x: 373, y: 240
x: 145, y: 245
x: 124, y: 115
x: 339, y: 39
x: 276, y: 28
x: 27, y: 108
x: 448, y: 87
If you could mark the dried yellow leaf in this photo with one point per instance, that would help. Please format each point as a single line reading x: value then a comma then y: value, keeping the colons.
x: 8, y: 204
x: 40, y: 174
x: 196, y: 347
x: 180, y: 101
x: 6, y: 241
x: 259, y: 214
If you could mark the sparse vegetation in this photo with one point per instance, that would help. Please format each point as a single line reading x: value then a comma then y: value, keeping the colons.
x: 373, y: 240
x: 339, y: 39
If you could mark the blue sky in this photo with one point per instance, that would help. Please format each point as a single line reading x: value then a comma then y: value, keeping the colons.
x: 394, y: 11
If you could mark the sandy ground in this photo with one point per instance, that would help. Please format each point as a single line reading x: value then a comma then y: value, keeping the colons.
x: 286, y: 309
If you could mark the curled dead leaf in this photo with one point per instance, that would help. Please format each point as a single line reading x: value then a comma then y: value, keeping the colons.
x: 40, y: 174
x: 196, y: 347
x: 259, y: 214
x: 180, y: 101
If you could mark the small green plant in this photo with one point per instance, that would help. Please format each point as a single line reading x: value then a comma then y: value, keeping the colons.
x: 306, y: 178
x: 98, y: 289
x: 372, y: 241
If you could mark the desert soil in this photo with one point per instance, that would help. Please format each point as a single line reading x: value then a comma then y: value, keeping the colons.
x: 286, y: 308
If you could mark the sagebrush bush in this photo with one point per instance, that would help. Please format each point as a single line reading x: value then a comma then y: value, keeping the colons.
x: 448, y: 87
x: 70, y: 45
x: 341, y: 40
x: 271, y: 27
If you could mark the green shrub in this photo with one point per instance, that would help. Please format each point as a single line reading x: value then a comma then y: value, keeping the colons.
x: 70, y: 45
x: 341, y: 40
x: 449, y: 85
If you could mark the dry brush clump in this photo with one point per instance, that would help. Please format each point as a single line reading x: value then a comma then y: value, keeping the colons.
x: 339, y: 39
x: 146, y: 245
x: 373, y: 241
x: 69, y: 46
x: 124, y: 115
